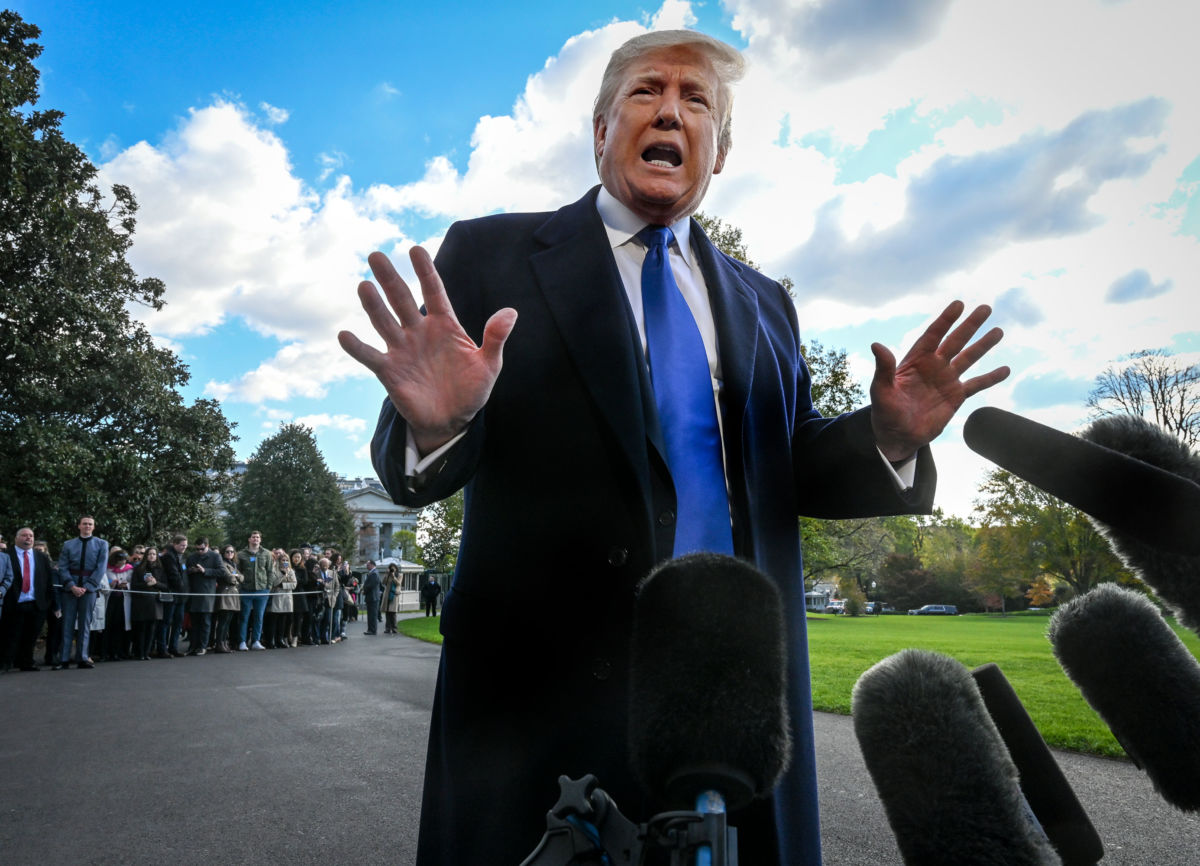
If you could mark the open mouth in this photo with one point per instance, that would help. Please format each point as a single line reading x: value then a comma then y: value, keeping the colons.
x: 662, y: 156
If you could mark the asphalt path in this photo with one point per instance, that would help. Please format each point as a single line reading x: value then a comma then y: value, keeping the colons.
x: 315, y: 755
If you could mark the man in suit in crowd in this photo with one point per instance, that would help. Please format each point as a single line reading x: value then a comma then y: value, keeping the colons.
x: 204, y: 568
x: 370, y: 589
x: 175, y: 574
x: 572, y: 454
x: 81, y: 565
x: 28, y: 601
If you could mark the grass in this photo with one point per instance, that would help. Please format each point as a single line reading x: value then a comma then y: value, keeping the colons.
x: 842, y: 647
x: 421, y: 627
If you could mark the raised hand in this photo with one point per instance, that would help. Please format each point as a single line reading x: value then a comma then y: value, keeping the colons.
x: 911, y: 403
x: 434, y: 374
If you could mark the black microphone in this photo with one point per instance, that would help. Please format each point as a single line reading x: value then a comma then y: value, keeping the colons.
x: 1137, y: 674
x: 1042, y: 782
x: 947, y: 783
x: 708, y: 709
x: 1172, y: 574
x: 1150, y: 504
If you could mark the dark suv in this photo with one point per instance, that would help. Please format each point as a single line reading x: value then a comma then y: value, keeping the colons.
x: 935, y: 610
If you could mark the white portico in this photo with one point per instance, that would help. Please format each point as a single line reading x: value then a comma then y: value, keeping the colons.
x: 376, y: 518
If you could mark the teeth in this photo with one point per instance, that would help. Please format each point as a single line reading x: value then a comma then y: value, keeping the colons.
x: 661, y: 162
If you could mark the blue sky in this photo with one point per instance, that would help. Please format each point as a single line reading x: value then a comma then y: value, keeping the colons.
x: 889, y: 155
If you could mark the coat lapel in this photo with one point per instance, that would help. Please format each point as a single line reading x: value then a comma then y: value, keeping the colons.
x: 579, y: 280
x: 735, y: 314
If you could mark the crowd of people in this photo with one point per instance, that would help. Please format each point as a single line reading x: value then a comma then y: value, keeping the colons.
x: 98, y: 602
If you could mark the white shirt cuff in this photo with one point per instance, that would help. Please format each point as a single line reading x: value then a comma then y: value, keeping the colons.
x: 903, y: 474
x: 414, y: 463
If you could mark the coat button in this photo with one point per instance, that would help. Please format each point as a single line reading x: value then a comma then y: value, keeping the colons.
x: 601, y: 668
x: 618, y: 556
x: 666, y: 518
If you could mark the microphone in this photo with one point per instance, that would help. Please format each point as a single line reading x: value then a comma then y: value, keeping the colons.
x: 946, y: 781
x: 708, y: 710
x: 1149, y: 504
x: 1042, y: 782
x: 1139, y: 677
x: 1173, y: 574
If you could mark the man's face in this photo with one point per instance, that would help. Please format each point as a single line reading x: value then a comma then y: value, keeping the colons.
x: 180, y: 546
x: 86, y: 527
x: 657, y: 142
x: 201, y: 546
x: 255, y: 540
x: 24, y: 539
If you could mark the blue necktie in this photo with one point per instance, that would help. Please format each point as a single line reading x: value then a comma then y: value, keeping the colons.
x: 686, y: 408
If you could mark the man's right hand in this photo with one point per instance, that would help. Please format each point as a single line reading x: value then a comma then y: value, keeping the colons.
x: 434, y: 374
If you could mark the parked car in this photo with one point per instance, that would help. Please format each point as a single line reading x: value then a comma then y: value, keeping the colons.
x: 878, y: 608
x: 836, y: 606
x: 935, y: 610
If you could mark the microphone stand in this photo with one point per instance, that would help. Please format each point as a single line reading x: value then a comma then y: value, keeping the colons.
x: 585, y: 828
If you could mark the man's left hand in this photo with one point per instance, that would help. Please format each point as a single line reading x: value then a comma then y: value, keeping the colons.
x: 912, y: 402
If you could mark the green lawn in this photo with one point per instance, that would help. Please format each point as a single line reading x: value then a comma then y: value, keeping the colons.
x: 842, y: 647
x: 421, y: 627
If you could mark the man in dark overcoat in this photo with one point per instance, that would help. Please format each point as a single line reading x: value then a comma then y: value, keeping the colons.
x: 563, y: 454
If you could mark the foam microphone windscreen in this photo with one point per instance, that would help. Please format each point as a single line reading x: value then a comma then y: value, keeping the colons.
x: 1136, y: 673
x: 1149, y: 503
x: 947, y: 783
x: 1173, y: 575
x: 707, y: 682
x: 1046, y: 789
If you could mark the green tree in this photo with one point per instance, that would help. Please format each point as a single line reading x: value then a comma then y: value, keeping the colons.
x: 90, y: 414
x: 906, y: 583
x: 1001, y: 568
x: 290, y: 496
x: 404, y: 545
x: 1053, y: 538
x: 439, y: 532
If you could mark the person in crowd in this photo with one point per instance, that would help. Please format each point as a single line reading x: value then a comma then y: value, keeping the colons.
x: 350, y: 598
x: 331, y: 593
x: 28, y: 600
x: 145, y: 609
x: 81, y: 568
x: 370, y: 592
x: 6, y: 581
x: 391, y: 597
x: 279, y: 636
x: 431, y: 590
x: 54, y: 616
x: 300, y: 597
x: 117, y: 622
x: 681, y: 404
x: 99, y: 620
x: 204, y: 569
x: 228, y: 603
x: 336, y: 603
x: 175, y: 598
x: 257, y: 566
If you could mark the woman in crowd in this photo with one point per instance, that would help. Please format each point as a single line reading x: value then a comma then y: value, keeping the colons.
x: 390, y: 600
x: 145, y: 609
x: 300, y: 599
x: 116, y: 623
x: 334, y: 598
x: 229, y: 600
x: 279, y: 633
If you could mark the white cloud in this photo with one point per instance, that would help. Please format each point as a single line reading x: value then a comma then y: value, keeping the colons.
x: 274, y: 114
x: 1045, y: 140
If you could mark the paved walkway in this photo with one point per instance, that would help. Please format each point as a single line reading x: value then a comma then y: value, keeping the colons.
x: 314, y: 755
